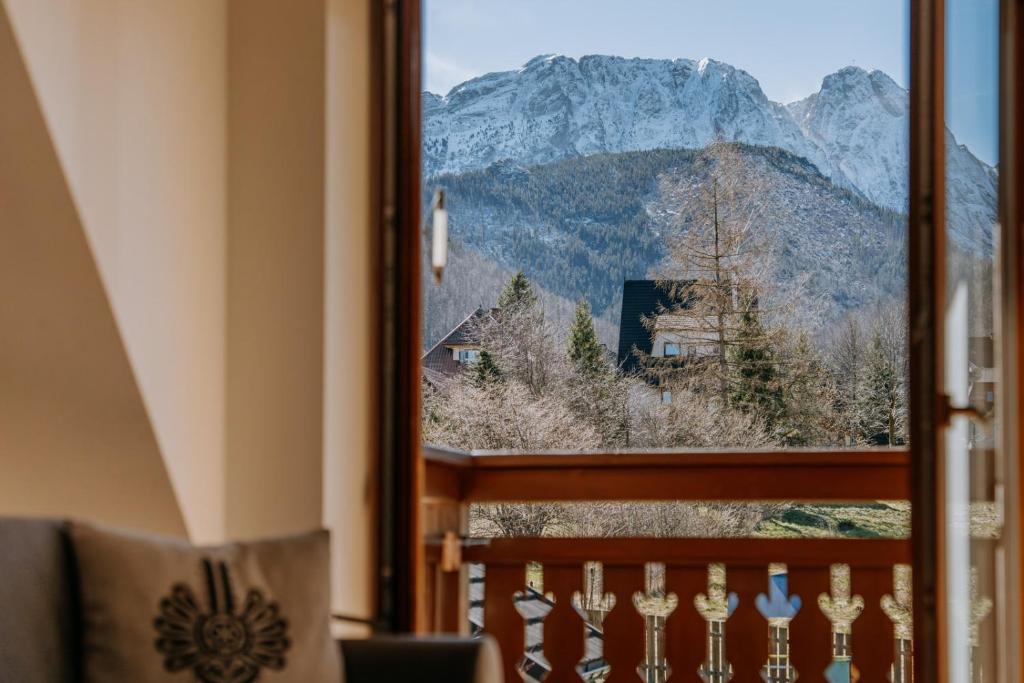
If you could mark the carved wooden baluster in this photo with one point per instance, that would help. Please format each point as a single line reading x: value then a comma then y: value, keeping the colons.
x: 716, y: 607
x: 980, y: 608
x: 593, y: 605
x: 533, y: 606
x: 477, y: 595
x: 655, y: 605
x: 842, y: 610
x: 779, y: 609
x: 900, y: 611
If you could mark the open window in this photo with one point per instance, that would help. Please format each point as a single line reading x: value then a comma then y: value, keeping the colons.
x: 824, y: 282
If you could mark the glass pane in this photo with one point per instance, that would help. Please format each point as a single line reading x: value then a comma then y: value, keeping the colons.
x: 972, y: 513
x: 663, y: 225
x: 685, y: 229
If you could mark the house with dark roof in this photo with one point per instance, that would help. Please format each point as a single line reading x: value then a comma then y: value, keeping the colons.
x: 456, y: 350
x: 656, y: 329
x: 644, y: 302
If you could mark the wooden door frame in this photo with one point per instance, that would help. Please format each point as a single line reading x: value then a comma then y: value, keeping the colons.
x: 926, y: 255
x: 397, y: 29
x: 927, y: 292
x: 1011, y: 283
x: 396, y: 40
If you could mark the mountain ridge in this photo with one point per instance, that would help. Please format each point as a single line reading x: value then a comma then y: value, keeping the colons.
x: 854, y: 129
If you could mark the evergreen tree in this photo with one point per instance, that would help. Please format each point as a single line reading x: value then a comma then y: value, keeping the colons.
x: 485, y: 370
x: 754, y: 387
x: 880, y: 398
x: 808, y: 395
x: 517, y: 294
x: 519, y: 338
x: 584, y: 348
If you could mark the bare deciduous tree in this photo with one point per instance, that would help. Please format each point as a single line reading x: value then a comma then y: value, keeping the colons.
x: 720, y: 267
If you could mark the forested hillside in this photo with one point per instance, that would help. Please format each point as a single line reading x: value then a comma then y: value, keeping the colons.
x: 579, y: 227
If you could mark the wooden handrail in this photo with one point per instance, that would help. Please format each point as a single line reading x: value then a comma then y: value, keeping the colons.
x: 693, y: 552
x: 792, y: 475
x: 455, y: 479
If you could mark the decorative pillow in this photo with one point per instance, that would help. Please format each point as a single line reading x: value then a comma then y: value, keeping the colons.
x: 156, y: 609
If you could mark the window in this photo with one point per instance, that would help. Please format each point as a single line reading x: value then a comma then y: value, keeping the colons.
x: 467, y: 355
x: 582, y: 238
x: 748, y: 215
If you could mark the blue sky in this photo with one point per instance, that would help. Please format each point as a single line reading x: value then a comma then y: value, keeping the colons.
x: 788, y: 45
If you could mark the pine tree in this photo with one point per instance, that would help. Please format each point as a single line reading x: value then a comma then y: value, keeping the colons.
x: 485, y: 370
x: 584, y: 348
x: 880, y: 396
x: 754, y: 385
x: 808, y: 395
x: 519, y: 338
x: 517, y: 294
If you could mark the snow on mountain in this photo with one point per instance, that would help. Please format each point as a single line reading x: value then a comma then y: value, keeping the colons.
x: 554, y: 107
x: 860, y: 121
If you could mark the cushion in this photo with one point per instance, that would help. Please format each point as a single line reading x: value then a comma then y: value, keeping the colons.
x: 157, y: 609
x: 38, y: 641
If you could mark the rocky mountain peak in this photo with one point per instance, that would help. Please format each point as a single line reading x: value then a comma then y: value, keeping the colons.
x: 854, y: 129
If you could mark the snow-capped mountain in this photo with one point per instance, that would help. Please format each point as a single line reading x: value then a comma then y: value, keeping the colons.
x: 554, y: 107
x: 860, y: 121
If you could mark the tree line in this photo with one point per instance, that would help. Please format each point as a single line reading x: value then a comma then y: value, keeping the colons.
x: 760, y: 379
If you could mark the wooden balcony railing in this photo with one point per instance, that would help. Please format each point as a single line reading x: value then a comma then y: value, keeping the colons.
x: 539, y: 629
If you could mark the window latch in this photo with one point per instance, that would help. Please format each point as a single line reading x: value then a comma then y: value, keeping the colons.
x: 451, y: 549
x: 946, y: 411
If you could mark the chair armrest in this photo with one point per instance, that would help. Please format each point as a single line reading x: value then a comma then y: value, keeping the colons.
x: 422, y: 659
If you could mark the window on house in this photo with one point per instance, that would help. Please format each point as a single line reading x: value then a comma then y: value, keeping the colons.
x: 666, y: 396
x: 467, y: 355
x: 671, y: 350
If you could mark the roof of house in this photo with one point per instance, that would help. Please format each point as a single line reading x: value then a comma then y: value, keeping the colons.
x: 640, y: 299
x: 439, y: 359
x: 435, y: 378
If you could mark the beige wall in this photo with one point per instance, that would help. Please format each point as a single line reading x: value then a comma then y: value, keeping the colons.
x: 133, y: 93
x: 190, y: 276
x: 275, y: 282
x: 349, y: 482
x: 75, y: 438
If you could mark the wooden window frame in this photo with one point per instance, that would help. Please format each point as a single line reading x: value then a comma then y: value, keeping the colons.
x: 397, y: 41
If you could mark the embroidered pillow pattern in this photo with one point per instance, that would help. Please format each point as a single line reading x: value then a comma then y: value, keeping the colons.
x: 221, y: 644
